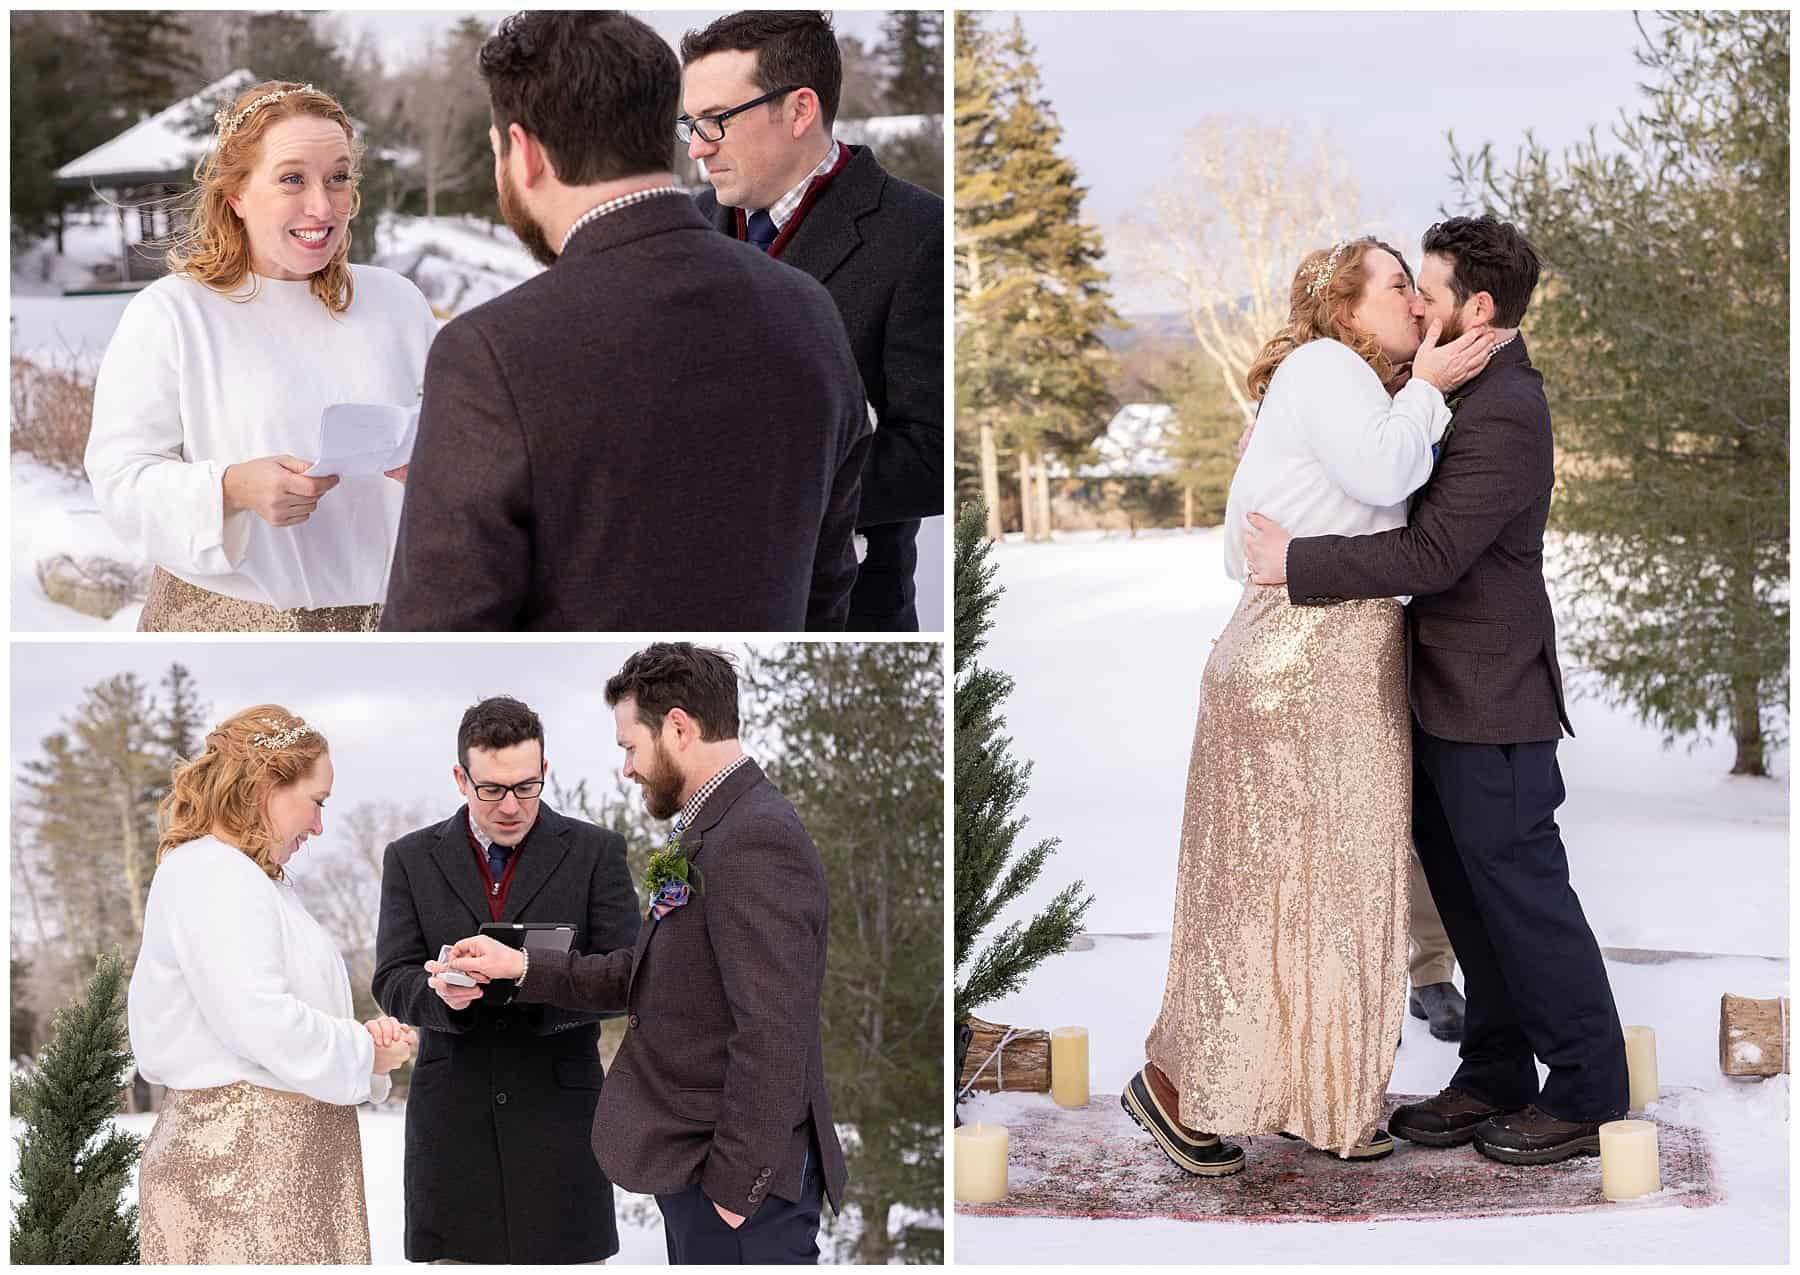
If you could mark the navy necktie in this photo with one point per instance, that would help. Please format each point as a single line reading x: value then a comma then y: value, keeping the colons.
x: 497, y: 855
x: 760, y: 229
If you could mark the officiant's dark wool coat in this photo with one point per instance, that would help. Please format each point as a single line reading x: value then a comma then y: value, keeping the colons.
x: 498, y: 1165
x: 720, y: 1081
x: 663, y: 431
x: 877, y: 244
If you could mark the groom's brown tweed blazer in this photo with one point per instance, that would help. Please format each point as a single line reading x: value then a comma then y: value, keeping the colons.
x: 721, y: 1077
x: 1481, y: 639
x: 663, y: 431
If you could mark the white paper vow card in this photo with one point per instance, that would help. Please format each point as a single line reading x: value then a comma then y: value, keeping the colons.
x: 360, y: 439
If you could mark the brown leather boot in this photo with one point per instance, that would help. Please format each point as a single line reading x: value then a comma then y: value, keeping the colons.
x: 1447, y: 1120
x: 1533, y: 1136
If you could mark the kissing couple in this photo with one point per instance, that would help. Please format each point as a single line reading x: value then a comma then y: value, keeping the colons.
x: 1389, y: 680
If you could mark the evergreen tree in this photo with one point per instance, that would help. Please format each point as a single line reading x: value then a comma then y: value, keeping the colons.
x: 861, y: 757
x: 913, y: 46
x: 1039, y: 305
x: 988, y: 786
x: 60, y: 110
x: 71, y: 1167
x: 1661, y: 328
x: 179, y: 729
x: 152, y: 66
x: 23, y: 1041
x: 1204, y: 440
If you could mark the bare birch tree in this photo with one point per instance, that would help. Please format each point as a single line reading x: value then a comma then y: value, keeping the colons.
x: 1223, y: 236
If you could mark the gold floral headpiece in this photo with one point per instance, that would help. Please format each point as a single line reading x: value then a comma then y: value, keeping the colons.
x: 281, y: 738
x: 1321, y: 274
x: 229, y: 123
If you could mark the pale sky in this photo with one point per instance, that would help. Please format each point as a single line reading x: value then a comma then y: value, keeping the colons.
x: 389, y: 709
x: 1381, y: 88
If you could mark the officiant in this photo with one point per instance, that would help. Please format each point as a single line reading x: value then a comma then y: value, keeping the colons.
x: 498, y: 1167
x: 210, y: 397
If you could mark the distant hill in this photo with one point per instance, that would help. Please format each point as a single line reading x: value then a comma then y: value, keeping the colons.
x: 1141, y: 329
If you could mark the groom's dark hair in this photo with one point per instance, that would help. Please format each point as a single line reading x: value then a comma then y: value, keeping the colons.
x: 792, y: 46
x: 496, y: 723
x: 696, y: 679
x: 598, y: 88
x: 1487, y: 255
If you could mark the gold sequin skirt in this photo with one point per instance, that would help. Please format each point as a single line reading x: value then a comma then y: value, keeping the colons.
x: 243, y: 1174
x: 1287, y: 969
x: 172, y: 605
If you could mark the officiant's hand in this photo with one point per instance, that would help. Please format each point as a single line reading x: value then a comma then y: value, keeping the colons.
x: 398, y: 475
x: 733, y: 1220
x: 1265, y: 551
x: 275, y: 489
x: 483, y: 957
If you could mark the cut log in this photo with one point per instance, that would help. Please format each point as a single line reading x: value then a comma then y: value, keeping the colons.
x: 1753, y: 1036
x: 1022, y: 1065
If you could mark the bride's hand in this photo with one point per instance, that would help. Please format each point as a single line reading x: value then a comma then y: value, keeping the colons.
x: 275, y: 489
x: 398, y: 475
x: 1449, y: 366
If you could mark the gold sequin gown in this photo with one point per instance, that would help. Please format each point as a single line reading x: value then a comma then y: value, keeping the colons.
x: 240, y: 1174
x: 172, y: 605
x: 1287, y: 970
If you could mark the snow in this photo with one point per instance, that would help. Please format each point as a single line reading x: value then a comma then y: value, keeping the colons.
x: 1105, y: 638
x: 1135, y: 445
x: 163, y: 143
x: 53, y: 513
x: 384, y: 1152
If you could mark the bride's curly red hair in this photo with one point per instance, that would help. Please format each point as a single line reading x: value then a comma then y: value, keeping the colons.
x: 1326, y: 315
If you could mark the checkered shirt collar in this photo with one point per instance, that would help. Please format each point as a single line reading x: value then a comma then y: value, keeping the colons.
x: 691, y: 810
x: 782, y: 210
x: 612, y: 206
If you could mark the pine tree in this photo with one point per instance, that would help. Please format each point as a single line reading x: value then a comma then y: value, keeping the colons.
x: 988, y: 786
x: 152, y: 65
x: 1032, y: 299
x: 862, y: 759
x: 913, y: 47
x: 72, y: 1168
x: 60, y: 110
x: 1661, y: 329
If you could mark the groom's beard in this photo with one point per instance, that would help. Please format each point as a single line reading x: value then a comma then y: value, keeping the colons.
x: 662, y: 787
x: 522, y: 224
x: 1453, y: 328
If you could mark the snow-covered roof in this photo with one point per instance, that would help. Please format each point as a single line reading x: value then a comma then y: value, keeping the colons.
x: 1135, y: 445
x: 158, y: 147
x: 878, y: 129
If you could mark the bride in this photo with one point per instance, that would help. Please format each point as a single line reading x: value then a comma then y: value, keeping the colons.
x: 240, y: 1003
x: 1287, y: 971
x: 208, y: 402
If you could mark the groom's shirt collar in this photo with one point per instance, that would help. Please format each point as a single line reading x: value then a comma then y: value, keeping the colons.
x: 691, y: 810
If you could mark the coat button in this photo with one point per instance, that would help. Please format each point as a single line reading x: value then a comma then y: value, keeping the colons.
x: 500, y: 1099
x: 632, y: 1022
x: 500, y: 1025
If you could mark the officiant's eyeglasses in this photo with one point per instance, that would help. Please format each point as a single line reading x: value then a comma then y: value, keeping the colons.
x: 711, y: 128
x: 524, y: 791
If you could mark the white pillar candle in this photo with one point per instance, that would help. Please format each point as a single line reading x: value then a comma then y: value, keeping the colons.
x: 1069, y: 1066
x: 1628, y: 1165
x: 980, y: 1163
x: 1640, y: 1062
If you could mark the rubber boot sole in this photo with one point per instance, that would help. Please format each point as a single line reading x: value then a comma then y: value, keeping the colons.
x: 1544, y: 1155
x: 1181, y: 1159
x: 1368, y: 1151
x: 1428, y: 1138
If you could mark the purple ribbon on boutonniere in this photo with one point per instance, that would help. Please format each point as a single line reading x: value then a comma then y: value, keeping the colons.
x: 669, y: 896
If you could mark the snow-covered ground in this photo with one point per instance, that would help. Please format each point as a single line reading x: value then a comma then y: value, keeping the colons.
x: 458, y: 262
x: 1105, y: 638
x: 384, y: 1151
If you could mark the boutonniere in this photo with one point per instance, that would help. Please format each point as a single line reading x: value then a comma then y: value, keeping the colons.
x: 670, y: 880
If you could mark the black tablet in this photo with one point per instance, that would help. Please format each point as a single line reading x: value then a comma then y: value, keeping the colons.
x: 554, y: 935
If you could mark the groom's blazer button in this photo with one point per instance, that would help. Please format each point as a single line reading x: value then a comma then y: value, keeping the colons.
x: 632, y: 1022
x: 500, y: 1099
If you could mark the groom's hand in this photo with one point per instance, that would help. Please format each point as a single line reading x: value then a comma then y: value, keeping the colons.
x: 1265, y: 551
x: 733, y: 1220
x: 483, y: 957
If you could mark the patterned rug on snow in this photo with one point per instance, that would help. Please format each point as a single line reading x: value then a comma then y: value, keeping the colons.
x: 1093, y: 1162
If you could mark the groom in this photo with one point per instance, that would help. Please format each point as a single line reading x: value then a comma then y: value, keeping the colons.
x: 663, y: 430
x: 1488, y: 710
x: 716, y: 1103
